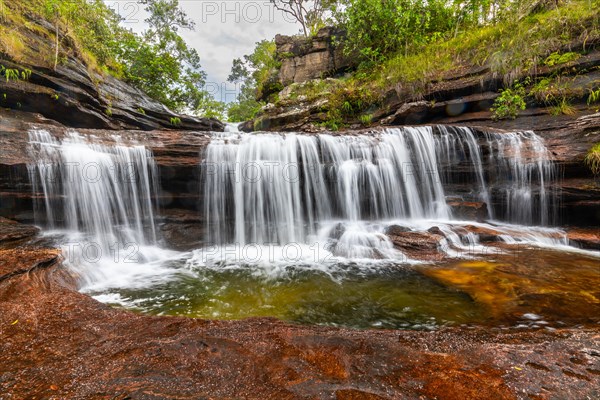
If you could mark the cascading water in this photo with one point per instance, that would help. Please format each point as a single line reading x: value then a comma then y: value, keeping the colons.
x: 101, y: 195
x: 277, y: 189
x: 296, y: 224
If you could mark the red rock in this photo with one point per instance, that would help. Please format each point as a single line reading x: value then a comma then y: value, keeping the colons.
x: 468, y: 210
x: 584, y: 238
x: 418, y: 245
x: 67, y: 345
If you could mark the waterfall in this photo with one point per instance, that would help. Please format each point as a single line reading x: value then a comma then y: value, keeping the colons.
x: 281, y: 188
x: 103, y: 191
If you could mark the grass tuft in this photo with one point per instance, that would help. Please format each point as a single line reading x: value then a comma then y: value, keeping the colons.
x: 592, y: 159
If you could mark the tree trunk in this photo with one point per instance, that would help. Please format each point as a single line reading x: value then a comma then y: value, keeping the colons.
x: 56, y: 44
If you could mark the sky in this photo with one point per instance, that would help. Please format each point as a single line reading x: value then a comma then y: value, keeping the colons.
x: 224, y: 30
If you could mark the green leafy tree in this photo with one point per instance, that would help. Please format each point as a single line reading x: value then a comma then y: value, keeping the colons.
x: 255, y: 73
x: 375, y: 28
x: 162, y: 64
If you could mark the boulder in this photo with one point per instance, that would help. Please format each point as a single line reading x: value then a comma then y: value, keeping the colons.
x: 408, y: 113
x: 303, y: 59
x: 469, y: 210
x: 417, y: 245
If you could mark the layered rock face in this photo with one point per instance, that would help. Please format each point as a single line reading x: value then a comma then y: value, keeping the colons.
x: 303, y: 59
x: 77, y: 96
x: 177, y: 155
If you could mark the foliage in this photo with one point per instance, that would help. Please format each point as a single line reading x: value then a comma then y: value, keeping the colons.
x: 175, y: 121
x: 254, y: 73
x: 556, y: 58
x: 157, y: 61
x: 160, y: 62
x: 594, y: 96
x: 310, y: 14
x: 513, y: 41
x: 347, y: 101
x: 592, y: 159
x: 14, y: 74
x: 365, y: 119
x: 211, y: 108
x: 245, y: 108
x: 563, y: 106
x: 376, y: 29
x: 555, y: 92
x: 509, y: 103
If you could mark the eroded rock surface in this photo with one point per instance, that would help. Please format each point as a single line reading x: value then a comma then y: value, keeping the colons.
x: 303, y: 59
x: 56, y: 342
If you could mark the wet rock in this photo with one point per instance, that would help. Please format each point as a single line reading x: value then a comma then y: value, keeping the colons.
x: 11, y: 231
x: 182, y: 229
x: 485, y: 234
x: 467, y: 210
x: 417, y: 245
x: 394, y: 230
x: 55, y: 342
x: 247, y: 126
x: 435, y: 230
x: 584, y: 238
x: 17, y: 261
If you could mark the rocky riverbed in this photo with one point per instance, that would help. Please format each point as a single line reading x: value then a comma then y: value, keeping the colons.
x: 58, y: 343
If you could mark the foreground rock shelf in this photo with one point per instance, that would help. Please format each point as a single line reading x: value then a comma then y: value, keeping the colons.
x: 58, y: 343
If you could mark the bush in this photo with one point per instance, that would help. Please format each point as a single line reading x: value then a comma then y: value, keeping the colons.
x: 509, y: 103
x: 375, y: 29
x: 592, y: 159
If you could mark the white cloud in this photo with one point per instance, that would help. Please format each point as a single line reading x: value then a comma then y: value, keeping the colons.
x: 224, y: 30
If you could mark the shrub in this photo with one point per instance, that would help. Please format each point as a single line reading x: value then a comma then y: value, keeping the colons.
x: 509, y: 103
x: 557, y: 58
x: 593, y: 97
x: 592, y: 159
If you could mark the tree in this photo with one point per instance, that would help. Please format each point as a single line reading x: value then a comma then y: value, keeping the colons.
x: 161, y: 63
x: 377, y: 28
x: 254, y: 72
x: 309, y: 13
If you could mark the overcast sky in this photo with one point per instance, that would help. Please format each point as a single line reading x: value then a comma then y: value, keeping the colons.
x: 224, y: 30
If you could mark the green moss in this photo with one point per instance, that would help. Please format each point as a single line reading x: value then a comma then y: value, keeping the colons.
x: 285, y: 55
x: 11, y: 43
x: 557, y: 59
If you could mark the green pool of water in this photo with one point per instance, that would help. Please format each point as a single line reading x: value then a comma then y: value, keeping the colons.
x: 539, y: 288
